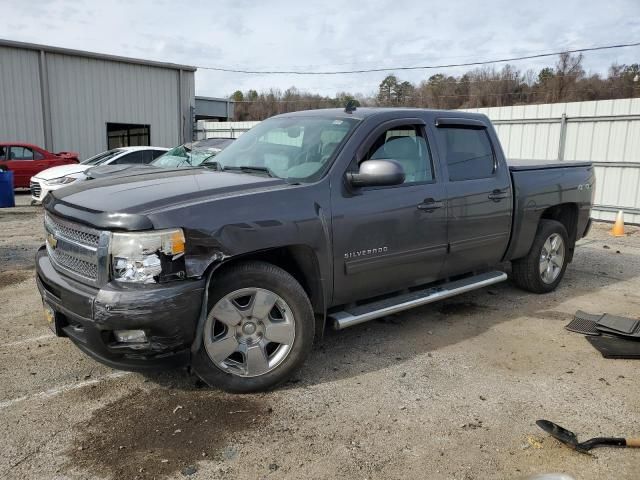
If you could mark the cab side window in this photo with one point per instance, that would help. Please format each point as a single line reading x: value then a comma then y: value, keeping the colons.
x: 407, y: 146
x: 468, y: 153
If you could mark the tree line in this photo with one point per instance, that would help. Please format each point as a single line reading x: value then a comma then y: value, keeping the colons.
x: 488, y: 86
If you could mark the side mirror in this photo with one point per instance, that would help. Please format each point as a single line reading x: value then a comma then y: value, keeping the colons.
x: 377, y: 173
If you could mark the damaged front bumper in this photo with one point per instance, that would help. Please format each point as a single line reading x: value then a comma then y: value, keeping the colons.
x: 167, y: 313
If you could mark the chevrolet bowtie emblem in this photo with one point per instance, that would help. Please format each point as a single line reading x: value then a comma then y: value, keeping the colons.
x: 52, y: 241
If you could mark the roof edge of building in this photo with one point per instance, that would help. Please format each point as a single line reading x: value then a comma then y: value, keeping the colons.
x: 214, y: 99
x: 95, y: 55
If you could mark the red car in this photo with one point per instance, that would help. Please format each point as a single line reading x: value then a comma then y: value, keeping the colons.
x: 26, y: 160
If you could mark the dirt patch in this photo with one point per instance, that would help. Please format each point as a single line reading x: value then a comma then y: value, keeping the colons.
x: 12, y: 277
x: 461, y: 308
x: 154, y: 434
x: 553, y: 315
x: 18, y: 258
x: 19, y: 213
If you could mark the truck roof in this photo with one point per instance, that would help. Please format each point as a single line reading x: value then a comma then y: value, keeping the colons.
x: 364, y: 112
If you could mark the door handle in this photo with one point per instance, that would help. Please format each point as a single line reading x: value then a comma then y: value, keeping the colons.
x: 429, y: 205
x: 497, y: 195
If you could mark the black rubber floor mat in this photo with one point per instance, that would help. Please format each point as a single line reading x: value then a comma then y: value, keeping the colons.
x: 584, y: 323
x: 615, y: 347
x: 588, y: 316
x: 619, y: 325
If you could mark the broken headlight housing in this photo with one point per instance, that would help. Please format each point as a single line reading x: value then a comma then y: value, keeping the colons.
x: 147, y: 257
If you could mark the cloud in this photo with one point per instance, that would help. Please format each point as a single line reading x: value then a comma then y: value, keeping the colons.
x: 326, y: 34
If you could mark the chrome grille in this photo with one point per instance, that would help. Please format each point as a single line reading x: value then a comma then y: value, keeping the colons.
x: 36, y: 189
x: 71, y: 231
x: 81, y: 267
x: 74, y: 249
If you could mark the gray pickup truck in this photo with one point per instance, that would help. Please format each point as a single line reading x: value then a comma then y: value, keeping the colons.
x: 311, y: 219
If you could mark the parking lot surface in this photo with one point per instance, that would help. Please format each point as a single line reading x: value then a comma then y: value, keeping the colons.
x: 449, y: 390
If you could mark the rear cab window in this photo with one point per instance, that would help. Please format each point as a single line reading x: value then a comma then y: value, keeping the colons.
x: 467, y: 151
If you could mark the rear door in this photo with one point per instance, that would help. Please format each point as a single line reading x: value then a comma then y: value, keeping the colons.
x: 478, y: 194
x: 390, y: 238
x: 44, y: 161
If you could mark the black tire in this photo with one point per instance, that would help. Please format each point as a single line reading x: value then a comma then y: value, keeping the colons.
x: 257, y: 274
x: 525, y: 271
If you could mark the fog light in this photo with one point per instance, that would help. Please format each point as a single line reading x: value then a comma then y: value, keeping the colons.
x: 130, y: 336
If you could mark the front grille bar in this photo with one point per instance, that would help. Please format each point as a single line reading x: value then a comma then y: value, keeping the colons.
x: 78, y: 251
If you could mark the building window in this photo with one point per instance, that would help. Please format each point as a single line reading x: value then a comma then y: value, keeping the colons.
x: 127, y: 135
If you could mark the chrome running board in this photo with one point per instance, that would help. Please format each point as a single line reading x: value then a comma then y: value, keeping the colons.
x: 380, y: 308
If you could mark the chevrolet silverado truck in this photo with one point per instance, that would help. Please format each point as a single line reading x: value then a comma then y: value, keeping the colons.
x: 309, y: 220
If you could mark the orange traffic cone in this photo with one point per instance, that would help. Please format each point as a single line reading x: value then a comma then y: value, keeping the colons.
x: 618, y: 227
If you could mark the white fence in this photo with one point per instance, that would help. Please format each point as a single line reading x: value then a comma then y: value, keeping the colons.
x: 605, y: 132
x: 208, y: 129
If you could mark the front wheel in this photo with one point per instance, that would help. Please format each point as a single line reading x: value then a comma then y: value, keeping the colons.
x: 259, y: 329
x: 543, y: 268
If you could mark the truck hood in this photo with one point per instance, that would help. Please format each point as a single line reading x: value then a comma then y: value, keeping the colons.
x: 60, y: 171
x: 125, y: 202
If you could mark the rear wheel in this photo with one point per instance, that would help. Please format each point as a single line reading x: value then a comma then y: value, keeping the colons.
x: 259, y: 329
x: 543, y: 268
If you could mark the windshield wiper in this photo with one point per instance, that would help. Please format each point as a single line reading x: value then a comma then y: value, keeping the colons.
x: 250, y: 169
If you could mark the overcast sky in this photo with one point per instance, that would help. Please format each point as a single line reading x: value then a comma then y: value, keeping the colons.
x: 327, y: 34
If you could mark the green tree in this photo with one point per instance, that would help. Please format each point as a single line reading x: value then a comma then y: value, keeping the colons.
x: 402, y: 93
x: 545, y: 74
x: 386, y: 90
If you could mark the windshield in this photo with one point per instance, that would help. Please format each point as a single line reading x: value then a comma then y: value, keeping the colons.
x: 187, y: 155
x: 102, y: 158
x: 292, y: 148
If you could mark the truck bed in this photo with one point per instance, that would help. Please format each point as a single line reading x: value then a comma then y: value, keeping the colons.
x: 541, y: 184
x: 523, y: 165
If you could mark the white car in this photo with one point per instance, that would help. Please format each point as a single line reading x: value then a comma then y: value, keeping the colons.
x: 58, y: 177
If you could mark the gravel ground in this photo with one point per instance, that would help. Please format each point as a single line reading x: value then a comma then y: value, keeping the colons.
x: 449, y: 390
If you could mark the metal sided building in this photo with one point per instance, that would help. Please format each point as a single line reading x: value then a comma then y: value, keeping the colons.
x: 71, y: 100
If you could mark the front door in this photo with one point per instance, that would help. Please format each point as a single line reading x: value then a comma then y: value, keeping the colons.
x: 389, y: 238
x: 21, y: 162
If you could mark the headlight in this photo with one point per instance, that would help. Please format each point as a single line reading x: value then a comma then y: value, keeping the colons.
x: 61, y: 181
x: 148, y: 257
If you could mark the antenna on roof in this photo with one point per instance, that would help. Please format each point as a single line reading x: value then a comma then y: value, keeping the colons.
x: 350, y: 107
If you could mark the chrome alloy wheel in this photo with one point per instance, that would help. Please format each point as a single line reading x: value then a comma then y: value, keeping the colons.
x: 249, y: 332
x: 551, y: 258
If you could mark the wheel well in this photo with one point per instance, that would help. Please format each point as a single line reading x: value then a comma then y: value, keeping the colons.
x: 299, y: 261
x: 567, y: 214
